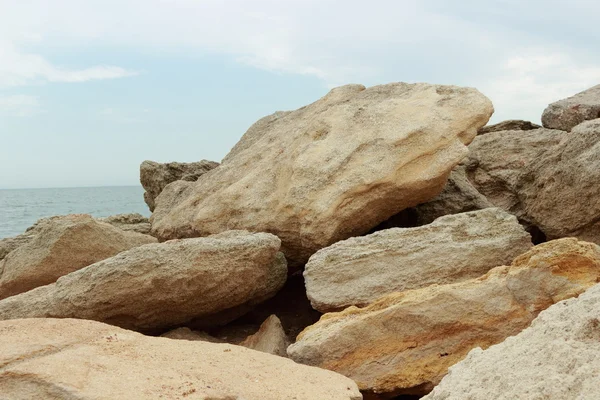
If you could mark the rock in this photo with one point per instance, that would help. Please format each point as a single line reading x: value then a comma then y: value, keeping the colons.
x: 86, y: 360
x: 11, y: 243
x: 510, y: 125
x: 61, y: 245
x: 155, y: 176
x: 184, y: 333
x: 270, y: 338
x: 560, y: 190
x: 333, y: 169
x: 405, y: 342
x: 497, y: 159
x: 129, y: 222
x: 454, y: 248
x: 161, y: 285
x: 570, y: 112
x: 557, y: 357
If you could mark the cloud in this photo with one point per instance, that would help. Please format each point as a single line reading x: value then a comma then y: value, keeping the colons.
x: 19, y: 105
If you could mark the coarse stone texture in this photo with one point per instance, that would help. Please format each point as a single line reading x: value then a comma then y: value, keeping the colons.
x: 454, y: 248
x: 405, y: 342
x: 497, y: 159
x: 557, y: 357
x: 570, y: 112
x: 270, y: 338
x: 184, y: 333
x: 560, y: 189
x: 509, y: 125
x: 155, y: 176
x: 86, y: 360
x: 61, y: 245
x: 161, y: 285
x: 333, y: 169
x: 129, y: 222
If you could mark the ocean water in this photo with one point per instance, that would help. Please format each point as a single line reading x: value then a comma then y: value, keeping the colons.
x: 21, y: 208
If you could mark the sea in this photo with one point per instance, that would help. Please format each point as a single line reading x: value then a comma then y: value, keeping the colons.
x: 21, y: 208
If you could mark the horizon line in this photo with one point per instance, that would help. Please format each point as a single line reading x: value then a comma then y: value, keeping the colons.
x: 70, y: 187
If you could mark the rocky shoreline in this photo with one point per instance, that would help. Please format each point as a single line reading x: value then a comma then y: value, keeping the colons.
x: 379, y: 243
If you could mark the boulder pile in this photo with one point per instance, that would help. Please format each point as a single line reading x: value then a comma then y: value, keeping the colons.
x: 378, y: 243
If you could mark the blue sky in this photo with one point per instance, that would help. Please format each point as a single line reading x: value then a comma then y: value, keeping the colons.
x: 89, y: 89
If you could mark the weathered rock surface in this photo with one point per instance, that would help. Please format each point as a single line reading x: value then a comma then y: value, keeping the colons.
x: 558, y: 357
x: 85, y: 360
x: 60, y: 245
x: 270, y: 338
x: 560, y: 189
x: 161, y: 285
x: 129, y: 222
x: 155, y: 176
x: 509, y: 125
x: 405, y: 342
x: 567, y: 113
x: 497, y: 159
x: 454, y: 248
x: 333, y: 169
x: 188, y: 334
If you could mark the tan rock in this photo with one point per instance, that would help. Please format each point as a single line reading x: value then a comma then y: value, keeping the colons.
x: 61, y: 245
x: 185, y: 333
x: 155, y: 176
x: 270, y: 338
x: 405, y: 342
x: 560, y: 189
x: 161, y: 285
x: 129, y: 222
x: 454, y: 248
x: 86, y: 360
x: 557, y: 357
x: 333, y: 169
x: 509, y: 125
x: 570, y: 112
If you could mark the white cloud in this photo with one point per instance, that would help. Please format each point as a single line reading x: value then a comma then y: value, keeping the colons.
x: 19, y: 105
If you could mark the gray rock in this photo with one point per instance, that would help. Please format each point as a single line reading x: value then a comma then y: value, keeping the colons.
x: 161, y: 285
x: 454, y: 248
x: 509, y: 125
x: 570, y: 112
x: 557, y: 357
x: 155, y: 176
x: 333, y: 169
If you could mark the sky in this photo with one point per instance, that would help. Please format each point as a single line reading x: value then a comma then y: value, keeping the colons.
x: 89, y: 89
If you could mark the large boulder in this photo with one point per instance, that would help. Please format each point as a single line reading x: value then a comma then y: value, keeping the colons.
x: 560, y: 189
x: 557, y: 357
x: 405, y: 342
x: 454, y: 248
x: 509, y: 125
x: 129, y: 222
x: 155, y: 176
x: 333, y: 169
x: 60, y: 245
x: 570, y: 112
x: 86, y: 360
x: 161, y: 285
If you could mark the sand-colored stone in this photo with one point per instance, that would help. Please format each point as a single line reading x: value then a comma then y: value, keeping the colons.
x: 560, y: 189
x: 405, y: 342
x: 572, y: 111
x: 557, y: 357
x: 61, y: 245
x: 270, y: 338
x: 129, y: 222
x: 185, y: 333
x: 155, y: 176
x: 161, y: 285
x: 333, y: 169
x: 509, y: 125
x: 58, y: 359
x: 454, y: 248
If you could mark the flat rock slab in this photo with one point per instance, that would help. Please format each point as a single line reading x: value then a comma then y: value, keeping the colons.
x: 509, y: 125
x: 330, y: 170
x: 570, y: 112
x: 454, y: 248
x: 557, y: 357
x: 161, y: 285
x: 86, y: 360
x: 60, y: 245
x: 405, y: 342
